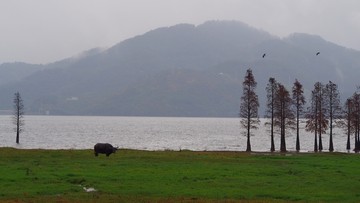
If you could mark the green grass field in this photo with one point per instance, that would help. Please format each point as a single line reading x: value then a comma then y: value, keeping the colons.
x: 144, y: 176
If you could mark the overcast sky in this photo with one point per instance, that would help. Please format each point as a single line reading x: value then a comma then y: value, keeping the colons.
x: 43, y: 31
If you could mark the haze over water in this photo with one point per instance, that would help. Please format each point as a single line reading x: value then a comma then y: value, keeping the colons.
x: 149, y: 133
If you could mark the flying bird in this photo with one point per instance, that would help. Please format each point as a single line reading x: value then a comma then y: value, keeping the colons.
x: 263, y: 55
x: 317, y: 53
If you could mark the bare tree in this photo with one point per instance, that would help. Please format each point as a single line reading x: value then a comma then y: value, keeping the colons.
x: 347, y: 122
x: 18, y: 115
x: 355, y: 118
x: 283, y: 114
x: 271, y: 89
x: 299, y: 101
x: 333, y: 107
x: 316, y: 119
x: 312, y: 121
x: 249, y: 106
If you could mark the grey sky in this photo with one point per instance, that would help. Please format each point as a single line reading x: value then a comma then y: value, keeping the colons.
x: 42, y: 31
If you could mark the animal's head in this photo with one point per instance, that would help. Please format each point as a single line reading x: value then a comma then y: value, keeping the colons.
x: 114, y: 149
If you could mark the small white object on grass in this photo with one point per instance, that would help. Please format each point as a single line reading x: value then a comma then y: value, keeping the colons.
x: 90, y: 189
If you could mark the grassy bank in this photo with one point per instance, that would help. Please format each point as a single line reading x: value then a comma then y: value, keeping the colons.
x: 142, y: 176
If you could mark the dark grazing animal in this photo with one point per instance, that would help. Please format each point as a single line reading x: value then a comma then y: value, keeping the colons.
x: 104, y: 148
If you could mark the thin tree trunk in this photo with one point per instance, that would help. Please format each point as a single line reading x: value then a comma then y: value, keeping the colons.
x: 320, y: 132
x: 315, y: 143
x: 17, y: 124
x: 316, y: 126
x: 282, y: 131
x: 331, y: 145
x: 272, y: 149
x: 316, y: 148
x: 357, y: 136
x: 17, y: 136
x: 283, y: 141
x: 320, y: 119
x: 248, y: 145
x: 348, y: 135
x: 297, y: 130
x: 320, y: 142
x: 357, y: 141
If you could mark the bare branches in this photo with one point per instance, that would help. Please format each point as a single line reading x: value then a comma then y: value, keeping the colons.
x: 283, y: 114
x: 317, y: 121
x: 18, y: 115
x: 351, y: 120
x: 271, y: 89
x: 333, y: 107
x: 249, y: 106
x: 299, y: 102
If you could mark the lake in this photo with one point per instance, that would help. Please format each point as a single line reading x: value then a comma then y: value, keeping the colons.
x: 149, y: 133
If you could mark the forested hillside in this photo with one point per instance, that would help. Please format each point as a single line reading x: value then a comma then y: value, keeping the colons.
x: 183, y: 70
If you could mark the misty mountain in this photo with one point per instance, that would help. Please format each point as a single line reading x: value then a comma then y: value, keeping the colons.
x: 183, y: 70
x: 15, y: 72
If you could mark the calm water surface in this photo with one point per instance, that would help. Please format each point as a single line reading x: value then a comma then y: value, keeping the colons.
x: 148, y: 133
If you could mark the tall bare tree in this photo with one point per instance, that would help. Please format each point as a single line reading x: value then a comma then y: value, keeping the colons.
x: 312, y: 121
x: 347, y: 122
x: 271, y: 89
x: 356, y: 119
x: 299, y: 102
x: 18, y: 115
x: 333, y: 107
x: 249, y: 106
x: 283, y: 114
x: 316, y: 117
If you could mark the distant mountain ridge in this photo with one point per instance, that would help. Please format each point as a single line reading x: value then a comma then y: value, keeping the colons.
x: 182, y: 70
